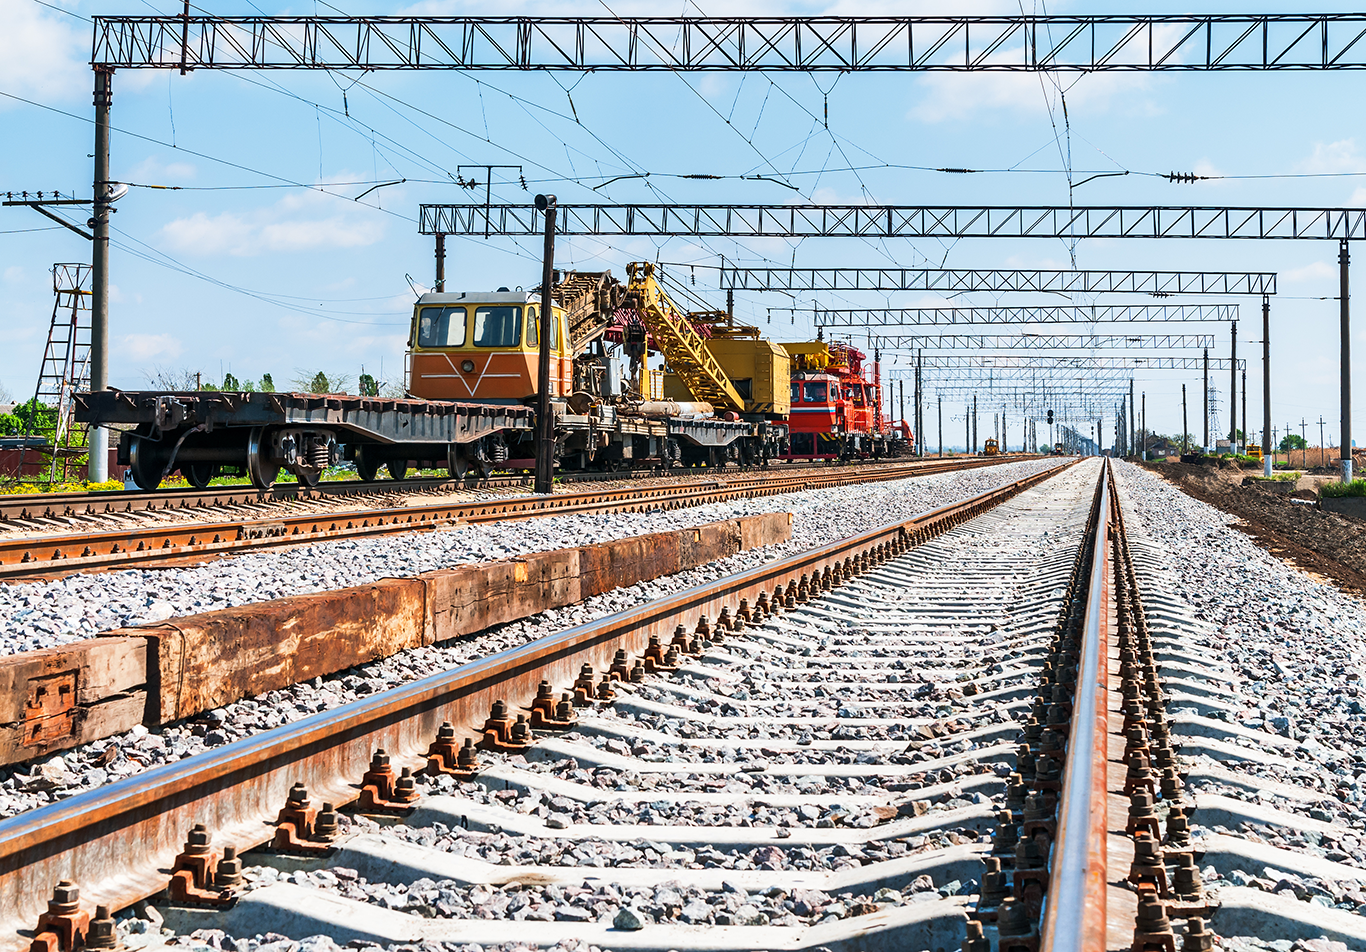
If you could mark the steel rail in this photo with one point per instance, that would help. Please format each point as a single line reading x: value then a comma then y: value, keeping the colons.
x: 117, y: 842
x: 1074, y: 915
x: 142, y: 545
x: 40, y: 506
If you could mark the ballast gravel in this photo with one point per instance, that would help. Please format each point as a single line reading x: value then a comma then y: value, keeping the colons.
x: 43, y: 614
x: 1294, y: 648
x: 820, y: 516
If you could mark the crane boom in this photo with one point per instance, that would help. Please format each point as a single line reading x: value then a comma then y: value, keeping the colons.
x: 684, y: 349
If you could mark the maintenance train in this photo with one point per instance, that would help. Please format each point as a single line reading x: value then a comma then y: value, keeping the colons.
x: 725, y: 396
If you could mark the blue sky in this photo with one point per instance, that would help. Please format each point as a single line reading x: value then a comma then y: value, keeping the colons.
x: 254, y: 257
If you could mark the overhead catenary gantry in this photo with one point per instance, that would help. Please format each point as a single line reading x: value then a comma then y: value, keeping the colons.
x: 1031, y: 314
x: 1167, y: 43
x: 961, y: 280
x: 1041, y: 342
x: 1087, y: 363
x: 1113, y: 43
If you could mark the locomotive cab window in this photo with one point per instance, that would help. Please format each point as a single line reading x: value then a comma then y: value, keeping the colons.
x: 796, y: 391
x: 441, y: 327
x: 497, y: 326
x: 816, y: 393
x: 533, y: 326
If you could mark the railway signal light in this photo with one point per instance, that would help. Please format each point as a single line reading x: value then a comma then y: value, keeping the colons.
x: 1050, y: 417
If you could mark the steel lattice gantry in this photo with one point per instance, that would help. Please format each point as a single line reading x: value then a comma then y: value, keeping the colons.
x: 1040, y: 342
x: 1119, y: 43
x: 955, y: 280
x: 1033, y: 314
x: 902, y: 221
x: 1010, y: 362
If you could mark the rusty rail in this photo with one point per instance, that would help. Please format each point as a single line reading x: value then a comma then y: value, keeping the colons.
x: 1074, y: 918
x: 143, y: 545
x: 116, y: 841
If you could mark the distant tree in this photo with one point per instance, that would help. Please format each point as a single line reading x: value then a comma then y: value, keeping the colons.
x: 247, y: 386
x: 1292, y: 442
x: 5, y: 395
x: 267, y: 385
x: 231, y: 383
x: 171, y: 378
x: 367, y: 385
x: 320, y: 382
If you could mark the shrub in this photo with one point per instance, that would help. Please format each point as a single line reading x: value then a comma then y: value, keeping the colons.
x: 1356, y: 487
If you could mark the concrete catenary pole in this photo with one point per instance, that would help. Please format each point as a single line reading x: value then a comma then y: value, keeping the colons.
x: 440, y: 262
x: 941, y: 427
x: 1205, y: 444
x: 1266, y: 385
x: 1233, y: 387
x: 99, y: 271
x: 1345, y: 311
x: 1145, y: 425
x: 1185, y: 430
x: 545, y: 423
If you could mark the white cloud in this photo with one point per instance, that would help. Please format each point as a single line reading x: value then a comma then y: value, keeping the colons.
x: 42, y: 53
x: 296, y: 223
x: 150, y: 346
x: 152, y: 171
x: 1314, y: 271
x: 959, y: 96
x: 1329, y: 157
x: 14, y: 274
x: 1358, y: 197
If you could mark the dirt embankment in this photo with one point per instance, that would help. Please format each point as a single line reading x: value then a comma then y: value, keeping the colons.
x: 1323, y: 543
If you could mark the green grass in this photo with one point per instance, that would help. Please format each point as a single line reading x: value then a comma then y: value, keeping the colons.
x: 1356, y: 487
x: 1277, y: 478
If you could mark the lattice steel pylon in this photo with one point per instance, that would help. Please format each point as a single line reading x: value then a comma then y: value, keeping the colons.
x: 66, y: 363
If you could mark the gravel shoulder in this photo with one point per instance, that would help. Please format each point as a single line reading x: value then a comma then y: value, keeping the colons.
x: 1265, y: 695
x: 820, y: 516
x: 1324, y: 543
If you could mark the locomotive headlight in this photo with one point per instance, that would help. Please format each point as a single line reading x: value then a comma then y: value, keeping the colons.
x: 467, y: 366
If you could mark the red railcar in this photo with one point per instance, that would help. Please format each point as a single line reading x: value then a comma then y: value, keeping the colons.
x: 837, y: 406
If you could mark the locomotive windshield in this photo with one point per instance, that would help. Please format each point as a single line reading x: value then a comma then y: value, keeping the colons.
x: 441, y: 327
x: 818, y: 392
x: 497, y: 326
x: 533, y: 326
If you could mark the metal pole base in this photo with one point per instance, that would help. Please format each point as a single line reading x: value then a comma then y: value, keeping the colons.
x: 98, y: 470
x: 1346, y: 470
x: 1266, y: 465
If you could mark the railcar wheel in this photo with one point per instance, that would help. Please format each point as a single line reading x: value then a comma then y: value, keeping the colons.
x: 144, y: 463
x: 457, y: 460
x: 199, y: 474
x: 398, y: 468
x: 259, y: 465
x: 367, y: 467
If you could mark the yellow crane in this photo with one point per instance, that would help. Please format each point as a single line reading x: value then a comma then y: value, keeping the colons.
x: 684, y: 350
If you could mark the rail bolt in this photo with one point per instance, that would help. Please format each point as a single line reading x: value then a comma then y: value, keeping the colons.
x: 680, y: 639
x: 620, y: 669
x: 761, y: 606
x: 1139, y: 775
x: 466, y: 758
x: 583, y: 687
x: 995, y: 888
x: 103, y: 932
x: 228, y: 874
x: 1170, y: 784
x: 521, y: 730
x: 326, y: 826
x: 743, y: 612
x: 637, y: 672
x: 1154, y: 928
x: 405, y: 788
x: 65, y: 924
x: 1147, y: 867
x: 1186, y: 884
x: 1141, y: 815
x: 1198, y: 938
x: 1178, y: 827
x: 723, y: 622
x: 975, y: 940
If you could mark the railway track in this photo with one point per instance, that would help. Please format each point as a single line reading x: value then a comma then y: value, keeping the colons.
x: 946, y: 733
x: 217, y: 531
x: 38, y: 510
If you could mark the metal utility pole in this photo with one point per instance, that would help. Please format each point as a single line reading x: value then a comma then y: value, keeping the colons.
x: 1304, y: 450
x: 1185, y: 431
x: 440, y: 263
x: 1323, y: 462
x: 974, y: 424
x: 1133, y: 420
x: 1266, y: 384
x: 545, y: 422
x: 967, y: 430
x: 1245, y: 433
x: 919, y: 416
x: 941, y: 428
x: 903, y: 400
x: 1233, y: 388
x: 98, y: 470
x: 1206, y: 445
x: 1346, y: 369
x: 1145, y: 425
